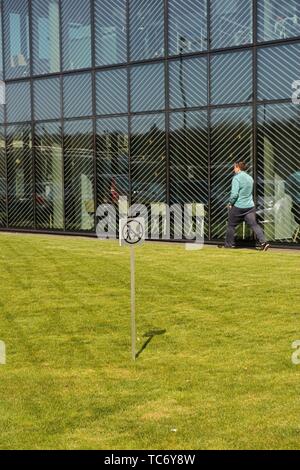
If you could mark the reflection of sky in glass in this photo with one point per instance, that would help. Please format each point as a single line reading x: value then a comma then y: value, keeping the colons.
x: 146, y: 29
x: 76, y: 34
x: 110, y: 31
x: 111, y: 90
x: 278, y: 20
x: 278, y: 67
x: 18, y: 102
x: 15, y: 32
x: 75, y: 128
x: 77, y: 95
x: 43, y: 33
x: 47, y: 99
x: 187, y: 26
x: 147, y: 88
x: 1, y: 50
x: 144, y: 124
x: 231, y: 22
x: 188, y: 83
x: 232, y: 78
x: 16, y: 23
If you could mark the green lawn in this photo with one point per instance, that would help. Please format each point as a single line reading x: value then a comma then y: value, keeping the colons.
x: 221, y: 377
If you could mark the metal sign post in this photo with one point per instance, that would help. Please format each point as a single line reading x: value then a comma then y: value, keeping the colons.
x: 132, y: 233
x: 133, y: 322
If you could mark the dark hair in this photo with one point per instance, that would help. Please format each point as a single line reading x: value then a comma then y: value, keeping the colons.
x: 241, y: 165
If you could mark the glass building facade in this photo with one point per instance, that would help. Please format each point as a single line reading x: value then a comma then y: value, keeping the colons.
x: 153, y: 99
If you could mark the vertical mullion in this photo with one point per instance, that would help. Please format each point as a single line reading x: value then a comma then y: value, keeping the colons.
x: 167, y: 102
x: 7, y: 180
x: 209, y: 117
x: 255, y: 22
x: 93, y: 36
x: 30, y: 13
x: 62, y: 113
x: 95, y: 156
x: 4, y: 115
x: 60, y: 35
x: 94, y: 110
x: 3, y: 46
x: 6, y: 171
x: 255, y: 114
x: 129, y: 104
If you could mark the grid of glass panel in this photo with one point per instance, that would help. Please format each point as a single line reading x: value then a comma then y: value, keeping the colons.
x: 152, y: 100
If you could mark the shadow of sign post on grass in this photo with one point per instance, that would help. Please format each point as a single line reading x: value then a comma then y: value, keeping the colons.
x: 150, y: 335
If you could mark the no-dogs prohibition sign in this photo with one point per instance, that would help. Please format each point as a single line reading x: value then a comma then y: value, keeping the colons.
x: 133, y: 232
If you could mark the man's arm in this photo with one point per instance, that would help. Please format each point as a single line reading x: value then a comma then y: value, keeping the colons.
x: 235, y: 189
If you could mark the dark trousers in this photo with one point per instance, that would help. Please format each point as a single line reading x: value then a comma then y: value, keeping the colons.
x: 236, y: 216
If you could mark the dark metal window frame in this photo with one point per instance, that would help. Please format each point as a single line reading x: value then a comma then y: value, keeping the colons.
x: 254, y: 47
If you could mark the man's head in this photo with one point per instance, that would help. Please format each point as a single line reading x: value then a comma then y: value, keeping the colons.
x: 240, y: 166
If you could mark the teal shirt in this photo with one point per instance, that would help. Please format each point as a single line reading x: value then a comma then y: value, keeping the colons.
x: 242, y: 191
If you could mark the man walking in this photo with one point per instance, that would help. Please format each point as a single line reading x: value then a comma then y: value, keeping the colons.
x: 241, y: 207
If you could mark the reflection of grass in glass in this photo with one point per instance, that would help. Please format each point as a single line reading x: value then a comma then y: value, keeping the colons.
x: 221, y: 374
